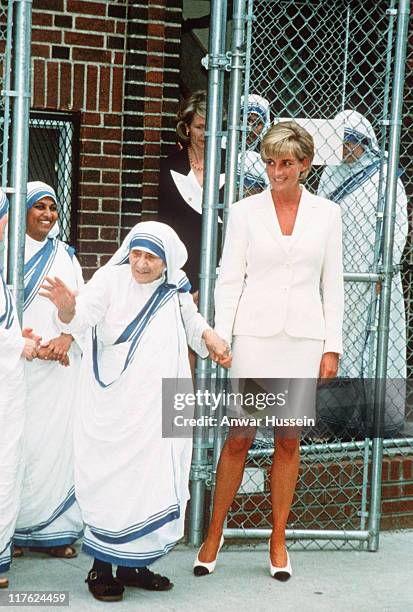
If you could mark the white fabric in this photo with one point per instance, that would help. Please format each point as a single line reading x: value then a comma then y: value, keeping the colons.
x: 265, y: 286
x: 48, y: 479
x: 11, y: 432
x: 358, y: 211
x: 280, y: 356
x: 273, y: 361
x: 127, y: 476
x: 191, y: 190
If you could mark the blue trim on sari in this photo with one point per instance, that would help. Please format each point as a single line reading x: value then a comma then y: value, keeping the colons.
x: 37, y: 268
x: 7, y: 318
x: 65, y: 505
x: 154, y: 522
x: 147, y: 241
x: 127, y: 559
x: 354, y: 182
x: 5, y: 558
x: 48, y: 540
x: 135, y: 329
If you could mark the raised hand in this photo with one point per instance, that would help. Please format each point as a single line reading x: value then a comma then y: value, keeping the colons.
x: 62, y: 297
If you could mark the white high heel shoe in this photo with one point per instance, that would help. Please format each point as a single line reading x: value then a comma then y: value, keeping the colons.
x: 203, y: 569
x: 280, y: 573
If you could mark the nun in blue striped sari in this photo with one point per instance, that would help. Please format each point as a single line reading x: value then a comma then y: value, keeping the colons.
x: 12, y: 348
x: 132, y: 484
x: 355, y: 186
x: 49, y: 520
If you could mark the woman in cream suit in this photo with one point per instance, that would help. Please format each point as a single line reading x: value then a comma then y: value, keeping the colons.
x: 282, y: 253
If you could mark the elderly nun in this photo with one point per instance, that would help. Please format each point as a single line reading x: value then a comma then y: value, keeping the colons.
x: 356, y: 186
x: 12, y: 347
x: 49, y: 520
x: 131, y: 483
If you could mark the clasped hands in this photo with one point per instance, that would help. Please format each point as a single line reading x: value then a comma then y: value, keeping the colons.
x: 219, y: 350
x: 55, y: 349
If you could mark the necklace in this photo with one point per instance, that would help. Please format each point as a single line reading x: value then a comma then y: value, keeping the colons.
x: 197, y: 167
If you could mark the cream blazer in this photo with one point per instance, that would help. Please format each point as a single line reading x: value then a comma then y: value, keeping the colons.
x: 266, y: 286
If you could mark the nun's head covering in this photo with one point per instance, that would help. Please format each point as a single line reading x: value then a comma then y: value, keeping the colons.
x: 261, y: 107
x: 358, y: 130
x: 36, y: 190
x: 4, y: 205
x: 340, y: 180
x: 160, y: 240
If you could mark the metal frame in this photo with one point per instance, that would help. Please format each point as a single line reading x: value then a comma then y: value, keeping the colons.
x: 20, y: 145
x: 382, y: 274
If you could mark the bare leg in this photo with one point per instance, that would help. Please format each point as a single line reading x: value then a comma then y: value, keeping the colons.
x: 284, y: 473
x: 4, y: 582
x: 229, y: 477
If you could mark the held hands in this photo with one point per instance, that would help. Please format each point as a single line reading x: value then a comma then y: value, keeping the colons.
x: 62, y: 297
x: 31, y: 344
x: 329, y: 365
x: 219, y: 350
x: 56, y: 349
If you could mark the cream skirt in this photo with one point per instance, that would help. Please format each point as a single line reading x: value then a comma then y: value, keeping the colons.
x: 280, y: 357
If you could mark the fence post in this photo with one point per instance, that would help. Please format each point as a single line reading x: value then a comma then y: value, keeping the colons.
x: 20, y: 147
x: 388, y: 236
x: 217, y: 62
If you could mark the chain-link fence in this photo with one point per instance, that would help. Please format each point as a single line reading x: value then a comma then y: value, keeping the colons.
x: 6, y: 22
x: 331, y: 66
x: 53, y: 158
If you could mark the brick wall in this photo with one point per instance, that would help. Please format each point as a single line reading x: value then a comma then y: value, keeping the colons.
x: 328, y: 496
x: 113, y: 63
x: 151, y: 95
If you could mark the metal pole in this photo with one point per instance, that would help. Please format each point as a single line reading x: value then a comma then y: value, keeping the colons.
x: 6, y: 92
x: 231, y: 167
x: 385, y: 297
x: 217, y: 62
x: 300, y: 534
x: 248, y: 46
x: 20, y: 148
x: 234, y: 102
x: 374, y: 297
x: 5, y: 119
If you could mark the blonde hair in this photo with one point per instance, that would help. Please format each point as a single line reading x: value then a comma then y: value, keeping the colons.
x: 194, y: 105
x: 288, y: 138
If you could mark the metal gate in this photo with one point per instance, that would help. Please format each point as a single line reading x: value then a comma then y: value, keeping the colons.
x: 309, y: 60
x: 54, y: 159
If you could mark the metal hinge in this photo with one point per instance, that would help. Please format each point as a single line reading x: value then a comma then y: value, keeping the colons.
x: 222, y: 61
x: 202, y: 472
x: 392, y: 12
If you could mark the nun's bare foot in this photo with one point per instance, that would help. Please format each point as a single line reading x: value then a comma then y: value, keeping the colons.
x: 17, y: 551
x: 4, y: 582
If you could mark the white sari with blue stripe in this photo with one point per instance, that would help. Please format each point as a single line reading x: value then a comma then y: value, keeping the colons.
x: 49, y: 514
x: 11, y: 421
x: 355, y: 187
x: 132, y: 484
